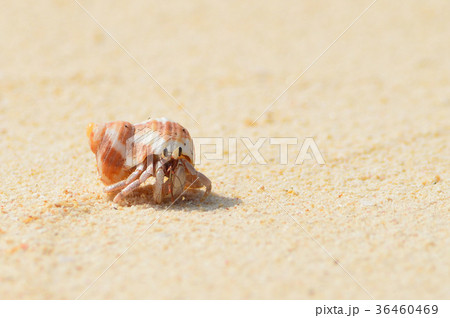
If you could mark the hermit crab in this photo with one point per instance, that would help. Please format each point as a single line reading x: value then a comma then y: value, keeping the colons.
x: 127, y: 155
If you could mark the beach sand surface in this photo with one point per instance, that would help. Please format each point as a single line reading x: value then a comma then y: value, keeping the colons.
x: 372, y: 222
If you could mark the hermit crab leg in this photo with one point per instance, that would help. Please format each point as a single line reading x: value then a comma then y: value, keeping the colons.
x: 199, y: 181
x: 136, y: 173
x: 178, y: 182
x: 116, y: 186
x: 132, y: 186
x: 122, y: 184
x: 193, y: 182
x: 158, y: 186
x: 135, y: 184
x: 200, y: 178
x: 167, y: 189
x: 147, y: 173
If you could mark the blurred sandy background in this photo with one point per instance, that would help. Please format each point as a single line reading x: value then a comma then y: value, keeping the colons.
x: 377, y: 104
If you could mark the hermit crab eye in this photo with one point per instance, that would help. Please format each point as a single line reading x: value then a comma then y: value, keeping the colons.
x: 165, y: 153
x: 179, y: 151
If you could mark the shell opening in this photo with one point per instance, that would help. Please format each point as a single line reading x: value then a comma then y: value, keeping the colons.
x: 89, y: 129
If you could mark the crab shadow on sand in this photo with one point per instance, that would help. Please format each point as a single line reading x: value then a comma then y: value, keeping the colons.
x: 191, y: 200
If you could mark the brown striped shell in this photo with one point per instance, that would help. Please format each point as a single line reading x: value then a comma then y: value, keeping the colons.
x: 155, y: 135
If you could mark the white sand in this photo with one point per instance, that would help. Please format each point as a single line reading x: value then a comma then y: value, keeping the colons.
x: 377, y: 104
